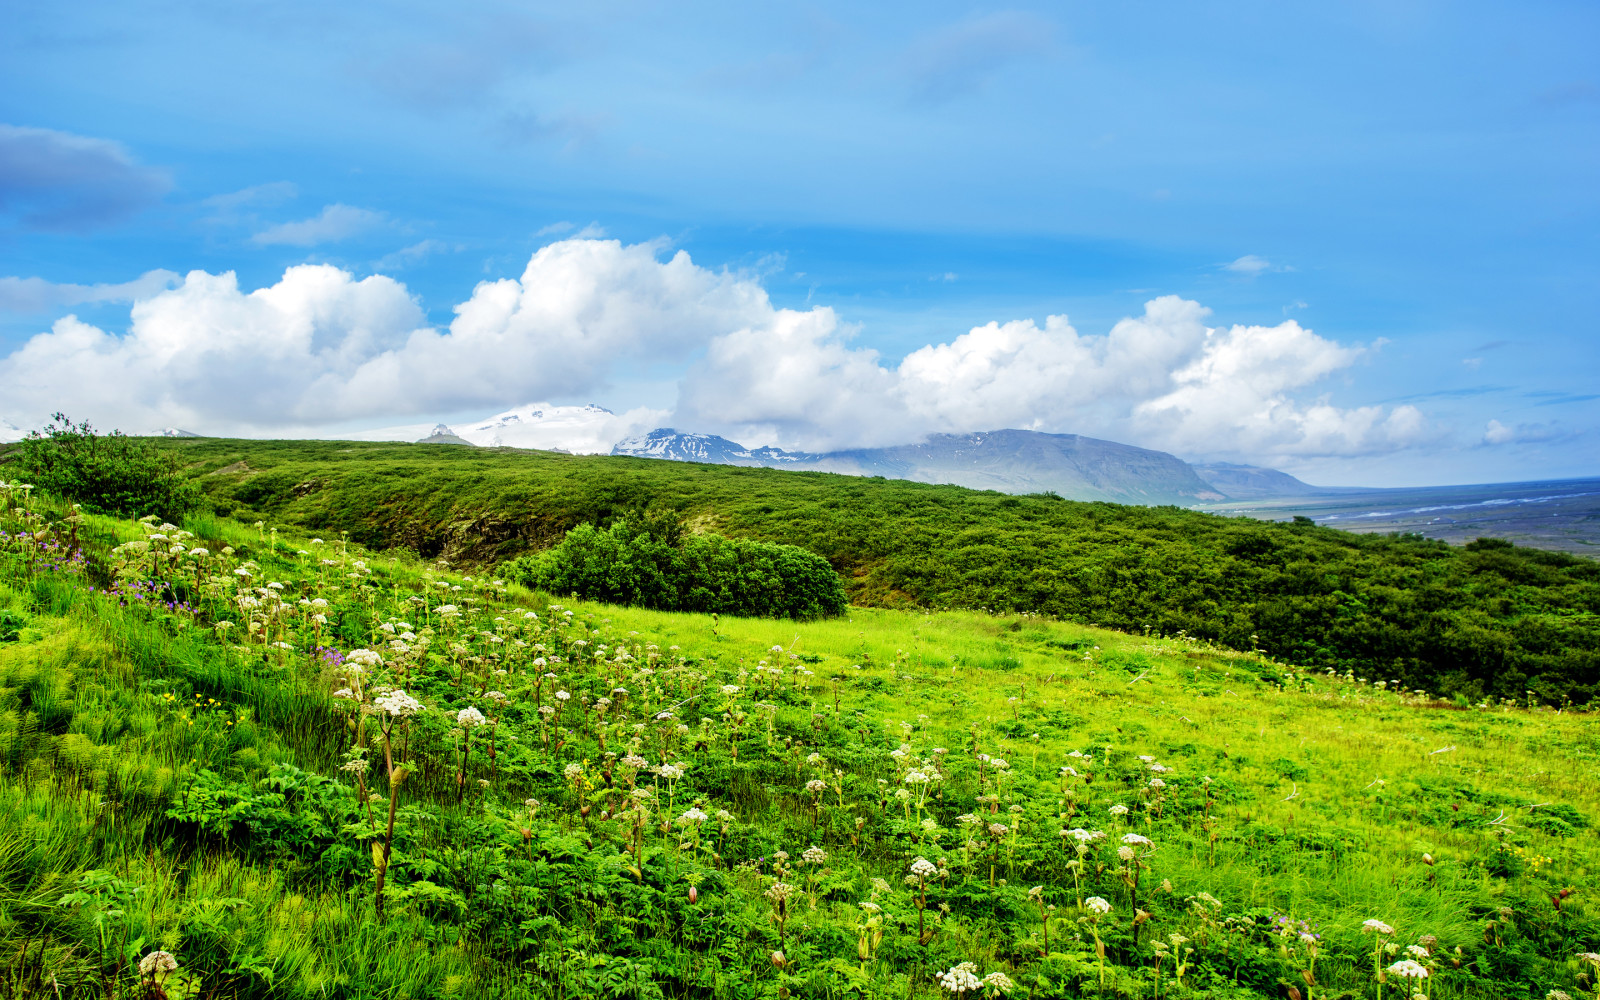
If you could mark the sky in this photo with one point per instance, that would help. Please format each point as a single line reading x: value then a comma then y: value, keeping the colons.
x: 1356, y: 241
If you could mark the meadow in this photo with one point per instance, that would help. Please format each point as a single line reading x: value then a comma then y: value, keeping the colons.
x: 239, y: 760
x: 1487, y: 620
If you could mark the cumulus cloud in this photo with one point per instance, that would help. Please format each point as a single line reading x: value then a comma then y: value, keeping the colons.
x: 321, y: 347
x: 1164, y: 379
x: 32, y: 295
x: 58, y: 181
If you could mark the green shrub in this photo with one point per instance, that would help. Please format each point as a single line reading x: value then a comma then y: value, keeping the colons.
x: 625, y: 564
x: 106, y: 473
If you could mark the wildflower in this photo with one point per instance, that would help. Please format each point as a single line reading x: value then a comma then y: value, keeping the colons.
x: 816, y: 786
x: 813, y: 855
x: 960, y: 979
x: 999, y: 981
x: 573, y: 771
x: 365, y: 658
x: 399, y: 704
x: 693, y: 815
x: 777, y: 959
x: 157, y: 962
x: 1409, y: 969
x: 1137, y: 840
x: 469, y: 718
x: 922, y: 868
x: 1097, y: 906
x: 1376, y: 927
x: 1125, y: 853
x: 567, y: 696
x: 1417, y: 951
x: 1119, y: 810
x: 672, y: 772
x: 779, y: 891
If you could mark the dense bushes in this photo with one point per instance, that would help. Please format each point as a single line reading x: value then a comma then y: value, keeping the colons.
x: 627, y: 564
x: 105, y: 473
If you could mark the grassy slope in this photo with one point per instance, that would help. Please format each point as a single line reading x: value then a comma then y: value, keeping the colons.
x: 1494, y: 622
x: 1328, y: 793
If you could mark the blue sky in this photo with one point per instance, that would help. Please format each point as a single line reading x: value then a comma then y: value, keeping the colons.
x: 1411, y: 182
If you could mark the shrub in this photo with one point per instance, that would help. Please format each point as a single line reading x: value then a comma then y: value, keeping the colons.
x: 626, y: 564
x: 106, y: 473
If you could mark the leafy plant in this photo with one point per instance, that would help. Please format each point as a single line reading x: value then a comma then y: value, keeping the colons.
x: 106, y: 473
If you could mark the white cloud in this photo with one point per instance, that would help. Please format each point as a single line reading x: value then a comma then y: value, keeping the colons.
x: 334, y: 223
x: 320, y: 348
x: 1251, y: 265
x: 37, y: 295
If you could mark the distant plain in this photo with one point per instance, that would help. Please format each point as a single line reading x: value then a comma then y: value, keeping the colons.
x: 1560, y: 515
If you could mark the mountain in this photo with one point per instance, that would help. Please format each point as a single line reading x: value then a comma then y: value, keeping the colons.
x: 584, y: 430
x: 664, y: 442
x: 1011, y: 461
x: 1251, y: 482
x: 442, y: 434
x: 173, y: 432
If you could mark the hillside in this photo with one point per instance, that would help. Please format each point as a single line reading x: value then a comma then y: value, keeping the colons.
x: 204, y: 754
x: 1251, y: 482
x: 1010, y: 461
x: 1489, y: 619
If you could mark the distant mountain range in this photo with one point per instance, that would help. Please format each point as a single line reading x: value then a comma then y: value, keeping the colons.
x: 1011, y: 461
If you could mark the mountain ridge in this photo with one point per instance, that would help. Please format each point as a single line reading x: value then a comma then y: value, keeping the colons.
x: 1008, y: 460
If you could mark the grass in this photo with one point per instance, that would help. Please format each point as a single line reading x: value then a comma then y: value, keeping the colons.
x: 1488, y: 620
x: 164, y: 784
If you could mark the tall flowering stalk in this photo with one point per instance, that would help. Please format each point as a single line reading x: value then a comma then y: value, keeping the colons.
x: 394, y: 706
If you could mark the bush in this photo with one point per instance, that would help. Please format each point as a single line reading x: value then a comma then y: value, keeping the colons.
x: 626, y: 564
x: 106, y: 473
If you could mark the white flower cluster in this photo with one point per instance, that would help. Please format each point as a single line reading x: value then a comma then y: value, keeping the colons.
x: 1099, y: 907
x: 157, y: 962
x: 470, y: 718
x: 399, y: 704
x: 1408, y: 968
x: 922, y: 868
x: 1376, y: 927
x: 364, y: 659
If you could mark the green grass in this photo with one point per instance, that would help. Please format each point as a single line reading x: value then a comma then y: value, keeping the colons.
x: 1486, y: 621
x: 205, y: 778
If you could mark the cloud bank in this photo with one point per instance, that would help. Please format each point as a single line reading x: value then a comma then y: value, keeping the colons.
x: 322, y: 346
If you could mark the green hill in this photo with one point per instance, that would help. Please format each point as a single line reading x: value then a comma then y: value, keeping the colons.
x: 1485, y: 621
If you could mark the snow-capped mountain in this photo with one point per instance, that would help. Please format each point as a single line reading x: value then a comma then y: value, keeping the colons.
x: 586, y: 430
x: 664, y: 442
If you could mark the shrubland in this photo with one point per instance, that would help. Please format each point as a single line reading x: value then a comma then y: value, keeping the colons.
x: 1484, y: 621
x: 239, y: 761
